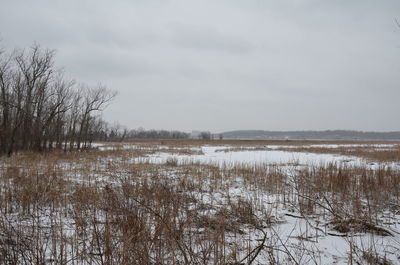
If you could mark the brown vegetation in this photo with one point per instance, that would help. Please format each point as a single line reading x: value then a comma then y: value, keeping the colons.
x: 101, y: 207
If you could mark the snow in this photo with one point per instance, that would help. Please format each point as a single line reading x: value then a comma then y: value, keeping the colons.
x: 311, y: 236
x: 329, y: 249
x: 214, y: 155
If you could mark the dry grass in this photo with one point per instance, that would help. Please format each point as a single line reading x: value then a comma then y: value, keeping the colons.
x: 196, y: 142
x: 101, y: 207
x: 371, y: 153
x: 371, y: 150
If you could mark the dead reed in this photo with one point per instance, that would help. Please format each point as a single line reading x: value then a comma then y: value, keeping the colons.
x: 104, y: 207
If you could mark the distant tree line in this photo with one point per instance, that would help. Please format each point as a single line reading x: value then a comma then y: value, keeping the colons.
x: 157, y: 134
x: 206, y: 135
x: 312, y: 135
x: 117, y: 132
x: 41, y: 109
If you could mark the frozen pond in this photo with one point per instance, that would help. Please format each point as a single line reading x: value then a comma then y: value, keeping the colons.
x: 217, y: 155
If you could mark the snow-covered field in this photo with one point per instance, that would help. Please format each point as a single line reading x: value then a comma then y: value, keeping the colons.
x: 216, y: 154
x: 271, y: 155
x: 309, y: 234
x: 168, y: 203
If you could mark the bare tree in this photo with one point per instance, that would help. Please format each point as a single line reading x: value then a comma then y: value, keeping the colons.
x: 96, y: 99
x: 5, y: 82
x: 40, y: 108
x: 205, y: 135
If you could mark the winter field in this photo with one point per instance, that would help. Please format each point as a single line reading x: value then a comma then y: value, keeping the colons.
x: 197, y: 202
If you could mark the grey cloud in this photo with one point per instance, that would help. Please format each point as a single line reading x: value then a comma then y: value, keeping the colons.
x: 229, y: 64
x: 107, y: 65
x: 209, y: 39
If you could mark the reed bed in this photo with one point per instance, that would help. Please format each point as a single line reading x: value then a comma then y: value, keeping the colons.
x: 107, y: 207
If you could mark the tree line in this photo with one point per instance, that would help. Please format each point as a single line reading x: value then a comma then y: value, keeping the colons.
x: 42, y: 109
x: 157, y: 134
x: 117, y: 132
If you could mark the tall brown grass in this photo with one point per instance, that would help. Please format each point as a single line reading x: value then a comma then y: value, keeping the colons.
x: 101, y: 207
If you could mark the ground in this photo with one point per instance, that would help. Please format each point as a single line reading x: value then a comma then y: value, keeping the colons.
x: 197, y: 202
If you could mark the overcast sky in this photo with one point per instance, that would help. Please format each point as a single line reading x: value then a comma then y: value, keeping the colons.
x: 228, y: 64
